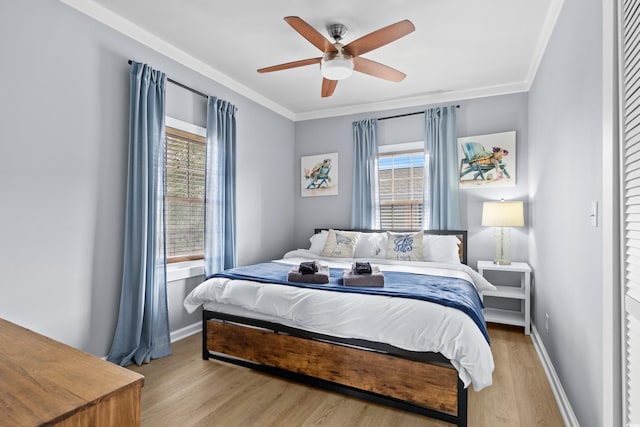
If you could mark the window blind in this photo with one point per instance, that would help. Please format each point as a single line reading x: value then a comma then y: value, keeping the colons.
x: 401, y: 177
x: 185, y: 169
x: 630, y: 82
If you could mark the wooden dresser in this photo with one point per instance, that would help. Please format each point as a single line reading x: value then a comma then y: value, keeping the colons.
x: 44, y: 382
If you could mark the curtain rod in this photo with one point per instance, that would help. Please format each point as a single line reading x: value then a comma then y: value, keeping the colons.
x: 405, y: 115
x: 183, y: 86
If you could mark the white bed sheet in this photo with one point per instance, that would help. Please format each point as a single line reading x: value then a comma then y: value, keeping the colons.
x: 413, y: 325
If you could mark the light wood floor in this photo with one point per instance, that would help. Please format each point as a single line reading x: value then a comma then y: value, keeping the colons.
x: 184, y: 390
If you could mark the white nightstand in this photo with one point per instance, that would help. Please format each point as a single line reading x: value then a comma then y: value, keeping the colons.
x: 522, y: 293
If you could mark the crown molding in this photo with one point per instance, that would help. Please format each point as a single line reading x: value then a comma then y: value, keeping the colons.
x: 442, y: 97
x: 553, y: 13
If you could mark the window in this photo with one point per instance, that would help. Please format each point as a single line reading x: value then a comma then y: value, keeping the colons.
x: 185, y: 156
x: 400, y: 176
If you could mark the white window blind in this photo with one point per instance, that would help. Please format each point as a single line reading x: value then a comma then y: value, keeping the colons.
x: 630, y: 79
x: 401, y: 177
x: 184, y: 200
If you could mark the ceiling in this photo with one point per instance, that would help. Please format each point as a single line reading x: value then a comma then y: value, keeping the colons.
x: 460, y: 48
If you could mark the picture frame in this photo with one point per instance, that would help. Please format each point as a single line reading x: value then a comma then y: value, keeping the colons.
x: 319, y: 175
x: 487, y: 160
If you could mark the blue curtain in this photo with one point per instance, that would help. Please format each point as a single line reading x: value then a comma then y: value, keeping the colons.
x: 142, y: 332
x: 220, y: 187
x: 365, y: 201
x: 441, y: 179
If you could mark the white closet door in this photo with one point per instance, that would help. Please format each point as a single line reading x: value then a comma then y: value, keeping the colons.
x: 630, y: 100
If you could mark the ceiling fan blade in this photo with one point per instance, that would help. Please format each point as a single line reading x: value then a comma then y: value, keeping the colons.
x: 328, y: 86
x: 293, y: 64
x: 377, y: 69
x: 380, y: 37
x: 310, y: 33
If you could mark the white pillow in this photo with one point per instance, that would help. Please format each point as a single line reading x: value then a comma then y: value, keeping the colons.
x: 404, y: 246
x: 370, y: 245
x: 441, y: 249
x: 382, y: 237
x: 317, y: 241
x: 340, y: 244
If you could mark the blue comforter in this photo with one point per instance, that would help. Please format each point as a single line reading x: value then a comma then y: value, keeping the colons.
x: 448, y: 291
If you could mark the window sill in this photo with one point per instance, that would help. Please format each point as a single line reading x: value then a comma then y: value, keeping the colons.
x: 185, y: 270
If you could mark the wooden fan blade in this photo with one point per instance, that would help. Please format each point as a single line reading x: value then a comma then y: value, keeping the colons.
x: 377, y: 69
x: 328, y: 86
x: 310, y: 33
x: 380, y: 37
x: 293, y: 64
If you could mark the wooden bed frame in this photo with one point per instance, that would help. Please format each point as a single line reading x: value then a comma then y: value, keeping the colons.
x: 421, y: 382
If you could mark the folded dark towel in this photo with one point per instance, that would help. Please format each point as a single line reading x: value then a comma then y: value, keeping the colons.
x: 321, y: 276
x: 362, y: 268
x: 308, y: 267
x: 373, y: 280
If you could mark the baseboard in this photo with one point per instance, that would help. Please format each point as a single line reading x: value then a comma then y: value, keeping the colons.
x: 185, y: 332
x: 566, y: 411
x: 180, y: 334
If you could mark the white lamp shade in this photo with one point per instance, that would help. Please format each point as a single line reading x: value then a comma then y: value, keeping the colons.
x: 337, y: 69
x: 503, y: 214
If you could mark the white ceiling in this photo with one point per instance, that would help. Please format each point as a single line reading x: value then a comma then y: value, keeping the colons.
x: 460, y: 48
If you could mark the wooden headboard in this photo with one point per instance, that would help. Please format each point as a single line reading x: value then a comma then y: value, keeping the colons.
x: 461, y: 234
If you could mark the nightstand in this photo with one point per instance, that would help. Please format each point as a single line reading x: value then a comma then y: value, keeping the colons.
x: 522, y: 293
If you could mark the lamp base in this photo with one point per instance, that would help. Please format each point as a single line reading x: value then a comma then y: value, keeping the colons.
x: 502, y: 238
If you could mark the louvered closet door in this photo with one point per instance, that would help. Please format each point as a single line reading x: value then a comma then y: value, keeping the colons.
x: 630, y: 100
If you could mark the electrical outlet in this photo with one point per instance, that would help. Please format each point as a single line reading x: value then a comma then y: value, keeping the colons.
x: 546, y: 322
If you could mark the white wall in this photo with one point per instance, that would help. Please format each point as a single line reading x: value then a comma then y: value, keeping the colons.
x: 64, y: 88
x: 182, y: 278
x: 474, y: 117
x: 565, y: 152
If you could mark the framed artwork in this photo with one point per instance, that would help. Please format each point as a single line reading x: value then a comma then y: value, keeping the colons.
x: 487, y: 160
x: 319, y: 175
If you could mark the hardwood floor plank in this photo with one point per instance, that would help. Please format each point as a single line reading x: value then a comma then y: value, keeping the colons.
x: 490, y: 407
x: 184, y: 390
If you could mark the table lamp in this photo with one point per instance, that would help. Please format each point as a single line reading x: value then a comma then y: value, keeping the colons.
x: 502, y: 215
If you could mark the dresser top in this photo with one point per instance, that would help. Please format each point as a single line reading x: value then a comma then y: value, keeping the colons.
x: 43, y: 380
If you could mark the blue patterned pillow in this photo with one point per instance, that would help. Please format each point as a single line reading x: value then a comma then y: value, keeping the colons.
x: 404, y: 246
x: 340, y: 244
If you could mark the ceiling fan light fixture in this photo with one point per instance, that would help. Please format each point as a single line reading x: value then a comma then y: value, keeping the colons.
x: 337, y: 69
x: 338, y: 61
x: 336, y: 65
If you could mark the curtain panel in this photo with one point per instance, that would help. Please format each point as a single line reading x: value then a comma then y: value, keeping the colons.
x: 220, y: 187
x: 441, y: 177
x: 365, y: 206
x: 142, y: 332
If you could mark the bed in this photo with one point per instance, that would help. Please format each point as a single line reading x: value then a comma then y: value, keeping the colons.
x: 407, y: 352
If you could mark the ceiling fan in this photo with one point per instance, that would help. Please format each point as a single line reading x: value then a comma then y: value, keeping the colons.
x: 338, y: 60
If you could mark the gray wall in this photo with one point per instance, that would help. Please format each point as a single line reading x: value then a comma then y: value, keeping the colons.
x: 64, y: 116
x: 474, y: 117
x: 565, y: 150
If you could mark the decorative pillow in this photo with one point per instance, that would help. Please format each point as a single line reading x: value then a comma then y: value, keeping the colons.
x: 404, y: 246
x: 317, y: 241
x: 340, y: 244
x: 441, y: 249
x: 383, y: 245
x: 370, y: 245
